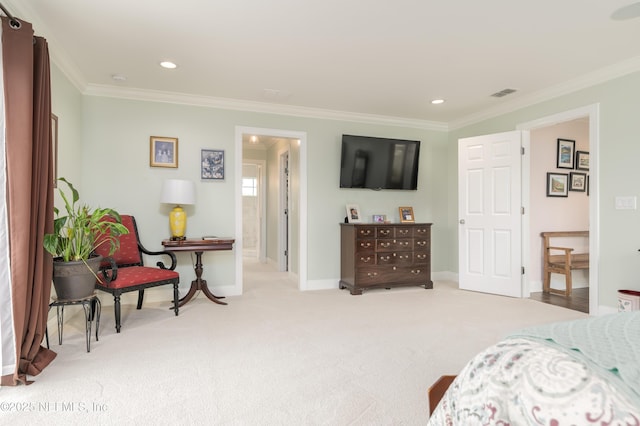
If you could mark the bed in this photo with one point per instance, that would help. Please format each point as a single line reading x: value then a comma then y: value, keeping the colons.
x: 569, y: 373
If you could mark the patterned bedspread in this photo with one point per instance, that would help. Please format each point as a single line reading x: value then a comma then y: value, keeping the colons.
x: 537, y: 378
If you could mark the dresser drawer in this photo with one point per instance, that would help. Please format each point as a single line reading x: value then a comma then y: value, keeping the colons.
x: 392, y: 275
x: 401, y: 244
x: 395, y: 258
x: 365, y: 232
x: 422, y: 244
x: 404, y: 232
x: 384, y: 232
x: 365, y: 246
x: 421, y: 257
x: 365, y: 259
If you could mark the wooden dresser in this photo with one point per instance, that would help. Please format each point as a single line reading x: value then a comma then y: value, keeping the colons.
x: 384, y: 255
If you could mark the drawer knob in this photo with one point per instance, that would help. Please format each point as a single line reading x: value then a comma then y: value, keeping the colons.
x: 415, y: 271
x: 372, y: 274
x: 365, y: 245
x: 365, y: 259
x: 422, y: 243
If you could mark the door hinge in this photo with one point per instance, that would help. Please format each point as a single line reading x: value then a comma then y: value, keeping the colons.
x: 522, y: 210
x: 522, y: 270
x: 522, y: 150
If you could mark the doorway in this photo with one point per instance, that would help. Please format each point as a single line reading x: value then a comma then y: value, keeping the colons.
x: 268, y: 146
x: 528, y: 241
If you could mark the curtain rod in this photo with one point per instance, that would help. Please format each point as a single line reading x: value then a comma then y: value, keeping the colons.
x: 13, y: 21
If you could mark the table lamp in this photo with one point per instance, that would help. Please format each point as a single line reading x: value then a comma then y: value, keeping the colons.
x: 178, y: 192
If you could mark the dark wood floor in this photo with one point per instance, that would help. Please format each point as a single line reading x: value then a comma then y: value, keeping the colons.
x: 578, y: 301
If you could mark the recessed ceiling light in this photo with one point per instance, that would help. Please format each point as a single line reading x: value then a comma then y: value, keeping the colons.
x: 168, y: 65
x: 118, y: 77
x: 254, y: 139
x: 437, y: 101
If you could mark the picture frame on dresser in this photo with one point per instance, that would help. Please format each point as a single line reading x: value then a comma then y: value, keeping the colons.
x: 353, y: 214
x: 379, y: 218
x: 406, y: 215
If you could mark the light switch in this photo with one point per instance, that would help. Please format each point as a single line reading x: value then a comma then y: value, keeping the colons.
x: 626, y: 203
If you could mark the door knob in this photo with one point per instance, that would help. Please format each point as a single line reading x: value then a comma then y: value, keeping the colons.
x: 461, y: 221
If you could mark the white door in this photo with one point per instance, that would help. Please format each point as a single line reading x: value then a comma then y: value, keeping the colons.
x: 489, y: 213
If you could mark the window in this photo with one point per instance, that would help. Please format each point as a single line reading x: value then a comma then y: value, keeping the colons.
x: 249, y: 187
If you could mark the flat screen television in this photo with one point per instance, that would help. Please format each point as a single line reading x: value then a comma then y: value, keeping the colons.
x: 379, y: 163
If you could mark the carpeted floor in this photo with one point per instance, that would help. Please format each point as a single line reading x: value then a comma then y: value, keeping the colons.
x: 274, y: 356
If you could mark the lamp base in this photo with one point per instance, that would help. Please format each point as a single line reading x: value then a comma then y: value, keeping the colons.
x: 178, y: 238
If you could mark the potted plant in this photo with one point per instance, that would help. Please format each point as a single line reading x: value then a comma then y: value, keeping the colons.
x: 75, y: 236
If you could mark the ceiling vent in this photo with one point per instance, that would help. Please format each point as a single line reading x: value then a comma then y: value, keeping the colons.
x: 503, y: 92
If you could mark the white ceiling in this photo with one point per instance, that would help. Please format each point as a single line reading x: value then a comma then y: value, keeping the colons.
x: 339, y: 58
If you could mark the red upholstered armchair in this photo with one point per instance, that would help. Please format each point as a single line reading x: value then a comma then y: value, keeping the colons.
x: 124, y: 270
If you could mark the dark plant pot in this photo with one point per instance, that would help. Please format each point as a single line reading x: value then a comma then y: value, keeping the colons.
x: 74, y: 280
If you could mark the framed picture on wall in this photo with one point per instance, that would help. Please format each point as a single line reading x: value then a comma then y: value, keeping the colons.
x: 557, y: 184
x: 565, y: 154
x: 212, y: 164
x: 578, y: 182
x: 582, y: 160
x: 163, y: 152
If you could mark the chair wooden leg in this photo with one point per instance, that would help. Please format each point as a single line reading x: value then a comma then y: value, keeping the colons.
x: 547, y: 281
x: 568, y: 284
x: 140, y: 297
x: 116, y: 309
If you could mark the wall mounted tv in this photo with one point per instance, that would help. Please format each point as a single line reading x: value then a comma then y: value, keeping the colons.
x: 379, y: 163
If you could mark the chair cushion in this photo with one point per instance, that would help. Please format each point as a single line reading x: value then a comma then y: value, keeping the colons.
x: 128, y: 252
x: 140, y: 275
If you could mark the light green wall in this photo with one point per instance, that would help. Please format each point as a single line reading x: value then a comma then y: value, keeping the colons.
x: 113, y: 135
x: 619, y: 174
x: 115, y: 172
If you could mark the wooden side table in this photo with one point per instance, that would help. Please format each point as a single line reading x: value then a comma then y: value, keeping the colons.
x: 92, y: 308
x: 198, y: 247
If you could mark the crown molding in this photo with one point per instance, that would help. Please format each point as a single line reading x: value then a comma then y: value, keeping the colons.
x: 587, y: 80
x: 262, y: 107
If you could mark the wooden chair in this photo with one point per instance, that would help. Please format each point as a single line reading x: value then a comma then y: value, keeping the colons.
x: 124, y: 271
x: 561, y: 260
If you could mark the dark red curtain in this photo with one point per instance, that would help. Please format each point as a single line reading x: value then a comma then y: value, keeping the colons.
x: 29, y: 192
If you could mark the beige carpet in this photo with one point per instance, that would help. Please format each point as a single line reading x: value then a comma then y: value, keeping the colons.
x: 274, y: 356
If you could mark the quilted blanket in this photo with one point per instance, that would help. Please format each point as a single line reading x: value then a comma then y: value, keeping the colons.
x: 575, y: 373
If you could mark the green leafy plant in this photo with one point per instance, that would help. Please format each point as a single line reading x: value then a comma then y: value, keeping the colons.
x: 76, y: 234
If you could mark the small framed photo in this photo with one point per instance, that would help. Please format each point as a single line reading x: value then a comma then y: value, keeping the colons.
x: 566, y: 154
x: 163, y: 152
x: 557, y: 184
x: 379, y: 218
x: 212, y: 164
x: 582, y: 160
x: 578, y: 182
x: 353, y: 213
x: 406, y: 214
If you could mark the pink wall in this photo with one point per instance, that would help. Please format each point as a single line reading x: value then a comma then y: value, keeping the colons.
x: 556, y: 213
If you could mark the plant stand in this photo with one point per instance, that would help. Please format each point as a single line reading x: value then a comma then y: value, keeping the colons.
x: 92, y: 308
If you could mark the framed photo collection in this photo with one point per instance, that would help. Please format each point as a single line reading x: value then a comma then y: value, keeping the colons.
x: 559, y: 184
